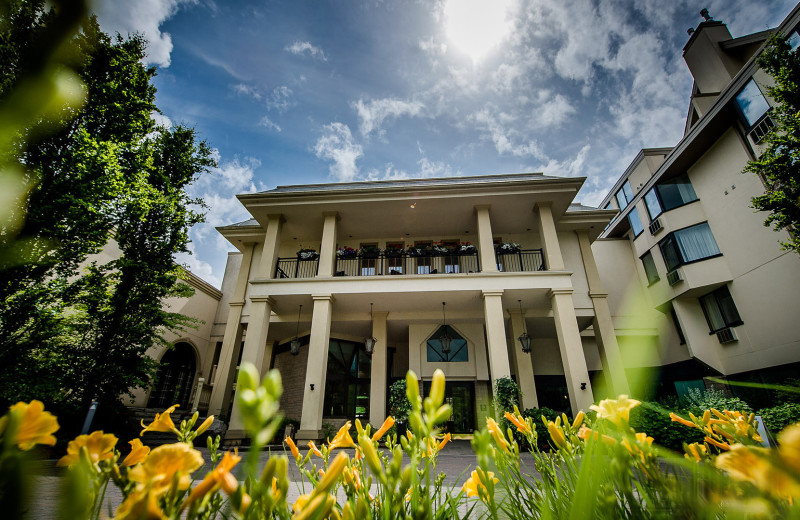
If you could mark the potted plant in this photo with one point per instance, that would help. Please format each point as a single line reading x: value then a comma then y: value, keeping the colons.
x: 346, y: 252
x: 506, y: 248
x: 307, y: 254
x: 418, y: 251
x: 369, y: 251
x: 438, y: 249
x: 393, y: 251
x: 466, y: 248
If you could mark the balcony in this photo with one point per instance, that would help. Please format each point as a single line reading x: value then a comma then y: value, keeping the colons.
x: 524, y: 260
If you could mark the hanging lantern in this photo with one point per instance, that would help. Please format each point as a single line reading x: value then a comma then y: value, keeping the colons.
x: 369, y: 342
x: 523, y: 338
x: 444, y: 338
x: 295, y: 345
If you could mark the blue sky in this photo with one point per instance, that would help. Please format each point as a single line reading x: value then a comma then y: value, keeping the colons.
x: 292, y: 92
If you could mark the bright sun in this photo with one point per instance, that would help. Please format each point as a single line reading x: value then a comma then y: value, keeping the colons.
x: 476, y: 26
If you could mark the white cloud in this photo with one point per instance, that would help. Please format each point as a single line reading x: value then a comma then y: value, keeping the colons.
x: 553, y: 110
x: 428, y: 168
x: 299, y: 48
x: 373, y: 113
x: 494, y: 126
x: 268, y: 123
x: 161, y: 119
x: 200, y: 268
x: 246, y: 90
x: 280, y: 100
x: 141, y: 16
x: 337, y: 145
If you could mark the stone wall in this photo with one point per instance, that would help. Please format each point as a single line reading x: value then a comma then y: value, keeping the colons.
x: 293, y: 373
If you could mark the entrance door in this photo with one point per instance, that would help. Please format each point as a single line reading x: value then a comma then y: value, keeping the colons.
x: 461, y: 398
x: 174, y: 379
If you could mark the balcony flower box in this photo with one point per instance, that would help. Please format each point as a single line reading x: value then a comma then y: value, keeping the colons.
x: 307, y: 254
x: 439, y: 250
x: 418, y: 251
x: 346, y: 252
x: 393, y: 252
x: 466, y: 249
x: 506, y: 248
x: 369, y: 252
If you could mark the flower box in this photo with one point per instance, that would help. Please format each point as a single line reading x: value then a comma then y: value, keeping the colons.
x: 507, y: 248
x: 307, y: 254
x: 369, y: 252
x: 346, y: 252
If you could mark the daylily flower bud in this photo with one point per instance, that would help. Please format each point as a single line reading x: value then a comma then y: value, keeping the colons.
x: 205, y: 425
x: 437, y: 387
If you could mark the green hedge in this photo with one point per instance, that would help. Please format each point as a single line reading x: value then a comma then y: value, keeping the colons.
x: 779, y: 417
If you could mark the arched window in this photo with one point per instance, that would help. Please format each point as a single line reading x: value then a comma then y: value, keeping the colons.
x: 174, y: 379
x: 458, y: 347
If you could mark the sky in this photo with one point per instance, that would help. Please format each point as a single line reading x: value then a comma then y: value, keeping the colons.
x: 298, y: 92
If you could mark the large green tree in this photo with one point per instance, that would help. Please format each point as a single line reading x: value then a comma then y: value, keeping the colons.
x: 779, y: 165
x: 72, y: 330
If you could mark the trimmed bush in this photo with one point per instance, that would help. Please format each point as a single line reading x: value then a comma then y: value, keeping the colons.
x: 653, y: 419
x: 779, y: 417
x: 698, y: 401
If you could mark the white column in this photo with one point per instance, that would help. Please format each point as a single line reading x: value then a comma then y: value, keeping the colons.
x: 603, y: 324
x: 254, y: 345
x: 523, y: 362
x: 377, y: 382
x: 272, y: 243
x: 485, y: 240
x: 547, y: 231
x: 572, y: 357
x: 231, y: 341
x: 327, y: 250
x: 496, y: 335
x: 316, y: 369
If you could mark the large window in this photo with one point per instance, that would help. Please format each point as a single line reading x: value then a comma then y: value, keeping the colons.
x: 669, y: 194
x: 636, y: 222
x: 458, y: 347
x: 347, y: 380
x: 752, y: 104
x: 688, y: 245
x: 650, y: 268
x: 625, y: 195
x: 720, y: 310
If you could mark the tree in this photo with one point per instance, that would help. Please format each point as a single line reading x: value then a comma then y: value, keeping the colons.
x: 70, y: 331
x: 779, y: 165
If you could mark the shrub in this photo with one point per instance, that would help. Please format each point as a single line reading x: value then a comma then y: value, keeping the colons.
x: 697, y: 401
x: 506, y: 395
x: 779, y: 417
x: 653, y: 419
x: 399, y: 405
x: 541, y: 430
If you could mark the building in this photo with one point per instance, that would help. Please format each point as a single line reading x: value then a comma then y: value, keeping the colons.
x: 727, y: 292
x: 674, y: 280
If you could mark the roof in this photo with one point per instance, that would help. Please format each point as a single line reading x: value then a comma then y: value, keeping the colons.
x: 577, y: 206
x: 409, y: 183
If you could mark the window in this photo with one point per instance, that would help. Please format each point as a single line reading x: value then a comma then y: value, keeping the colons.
x: 625, y: 195
x: 720, y: 310
x: 793, y: 40
x: 394, y: 257
x: 752, y: 104
x: 636, y: 222
x: 650, y: 268
x: 348, y: 380
x: 677, y: 324
x: 675, y: 192
x: 652, y: 203
x: 688, y: 245
x: 458, y: 347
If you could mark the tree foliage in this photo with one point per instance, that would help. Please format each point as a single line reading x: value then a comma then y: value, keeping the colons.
x: 779, y: 164
x: 74, y: 328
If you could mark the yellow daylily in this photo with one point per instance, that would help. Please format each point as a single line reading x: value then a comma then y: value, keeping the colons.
x: 142, y: 504
x: 445, y: 440
x: 162, y: 422
x: 499, y: 438
x: 301, y: 501
x: 314, y: 449
x: 137, y: 454
x: 388, y: 423
x: 205, y: 425
x: 166, y: 463
x: 615, y: 410
x: 35, y: 425
x: 679, y: 419
x: 218, y: 477
x: 518, y: 421
x: 556, y: 434
x: 342, y: 438
x: 292, y: 448
x: 99, y: 445
x: 473, y: 483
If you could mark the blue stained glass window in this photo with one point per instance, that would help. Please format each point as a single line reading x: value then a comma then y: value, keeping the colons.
x: 458, y: 347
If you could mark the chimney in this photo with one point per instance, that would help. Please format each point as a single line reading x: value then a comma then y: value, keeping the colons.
x: 709, y: 64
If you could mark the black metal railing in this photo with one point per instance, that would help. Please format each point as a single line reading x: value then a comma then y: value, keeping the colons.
x: 296, y: 268
x: 407, y: 264
x: 522, y: 261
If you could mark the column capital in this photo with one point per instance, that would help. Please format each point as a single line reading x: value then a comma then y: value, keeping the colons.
x: 598, y: 294
x: 380, y: 314
x: 236, y: 303
x: 276, y: 216
x: 323, y: 297
x: 331, y: 214
x: 479, y: 207
x: 267, y: 299
x: 484, y: 294
x: 542, y: 204
x: 555, y: 292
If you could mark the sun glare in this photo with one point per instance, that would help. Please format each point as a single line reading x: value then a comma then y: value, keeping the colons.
x: 476, y: 26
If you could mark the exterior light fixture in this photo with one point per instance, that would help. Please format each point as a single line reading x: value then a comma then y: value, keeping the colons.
x: 583, y: 386
x: 369, y: 342
x: 295, y: 346
x: 444, y: 338
x: 523, y: 338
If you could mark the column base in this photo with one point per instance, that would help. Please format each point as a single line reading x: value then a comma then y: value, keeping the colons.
x: 308, y: 435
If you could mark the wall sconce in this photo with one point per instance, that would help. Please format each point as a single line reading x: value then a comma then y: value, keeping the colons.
x: 583, y: 386
x: 295, y: 345
x: 444, y: 338
x: 312, y: 386
x: 369, y: 342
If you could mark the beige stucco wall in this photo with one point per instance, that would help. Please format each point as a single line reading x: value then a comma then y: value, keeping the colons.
x: 476, y: 368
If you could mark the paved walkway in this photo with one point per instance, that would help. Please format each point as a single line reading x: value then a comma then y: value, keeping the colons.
x: 456, y: 460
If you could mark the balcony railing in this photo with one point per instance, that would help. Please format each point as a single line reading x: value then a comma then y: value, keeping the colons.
x: 395, y: 264
x: 522, y: 261
x: 296, y: 268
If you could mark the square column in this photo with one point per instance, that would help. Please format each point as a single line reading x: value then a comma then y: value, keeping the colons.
x: 547, y: 231
x: 572, y: 357
x: 231, y: 341
x: 523, y: 362
x: 316, y: 368
x: 603, y: 324
x: 377, y: 381
x: 272, y: 242
x: 485, y: 240
x: 496, y: 335
x: 254, y: 345
x: 327, y: 250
